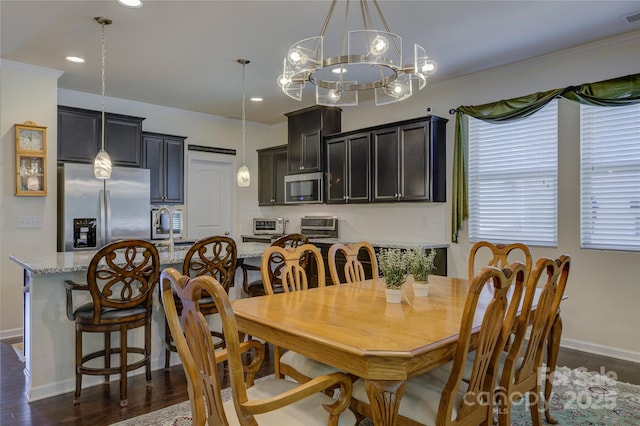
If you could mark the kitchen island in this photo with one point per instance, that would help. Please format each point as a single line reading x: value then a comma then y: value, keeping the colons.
x: 49, y: 336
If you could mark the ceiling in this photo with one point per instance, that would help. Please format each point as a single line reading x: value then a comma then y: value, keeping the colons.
x: 183, y: 54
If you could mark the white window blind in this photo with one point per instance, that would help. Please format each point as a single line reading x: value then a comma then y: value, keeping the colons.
x: 610, y: 177
x: 513, y: 179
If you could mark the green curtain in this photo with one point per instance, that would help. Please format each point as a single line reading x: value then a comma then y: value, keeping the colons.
x: 615, y: 92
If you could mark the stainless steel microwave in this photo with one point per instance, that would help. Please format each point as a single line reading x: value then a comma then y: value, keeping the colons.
x: 303, y: 189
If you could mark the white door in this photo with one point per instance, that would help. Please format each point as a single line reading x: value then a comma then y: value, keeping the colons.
x: 211, y: 194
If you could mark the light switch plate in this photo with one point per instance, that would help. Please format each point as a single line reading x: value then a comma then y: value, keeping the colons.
x: 29, y: 221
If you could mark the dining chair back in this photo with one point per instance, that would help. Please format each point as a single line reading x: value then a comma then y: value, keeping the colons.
x: 293, y: 267
x: 276, y: 263
x: 272, y: 401
x: 522, y: 367
x: 121, y: 278
x: 353, y: 267
x: 215, y: 256
x: 499, y: 255
x: 293, y: 277
x: 441, y: 396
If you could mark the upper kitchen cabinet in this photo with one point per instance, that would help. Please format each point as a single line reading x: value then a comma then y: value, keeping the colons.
x: 79, y: 136
x: 306, y: 129
x: 348, y: 169
x: 409, y: 160
x: 164, y: 157
x: 272, y: 167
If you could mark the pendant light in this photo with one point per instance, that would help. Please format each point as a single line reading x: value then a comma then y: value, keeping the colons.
x: 244, y: 177
x: 102, y: 162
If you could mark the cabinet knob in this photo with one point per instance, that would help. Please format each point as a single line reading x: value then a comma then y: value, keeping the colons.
x: 226, y: 233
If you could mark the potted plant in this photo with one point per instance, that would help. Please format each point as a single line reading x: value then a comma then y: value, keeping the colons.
x: 420, y: 264
x: 393, y: 266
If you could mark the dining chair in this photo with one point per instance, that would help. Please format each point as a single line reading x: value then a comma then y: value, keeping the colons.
x: 441, y: 397
x: 293, y: 277
x: 216, y: 256
x: 272, y: 401
x: 353, y: 268
x: 256, y: 287
x: 522, y: 367
x: 121, y: 278
x: 500, y: 255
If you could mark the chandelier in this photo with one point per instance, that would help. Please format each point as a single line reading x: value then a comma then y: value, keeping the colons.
x: 369, y: 59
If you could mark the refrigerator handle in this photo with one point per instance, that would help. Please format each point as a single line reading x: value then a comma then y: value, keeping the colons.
x: 107, y: 228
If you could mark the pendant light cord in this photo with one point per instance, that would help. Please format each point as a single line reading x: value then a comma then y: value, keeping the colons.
x: 103, y: 67
x: 243, y: 111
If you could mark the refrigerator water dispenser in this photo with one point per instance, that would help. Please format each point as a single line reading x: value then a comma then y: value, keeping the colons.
x: 84, y: 233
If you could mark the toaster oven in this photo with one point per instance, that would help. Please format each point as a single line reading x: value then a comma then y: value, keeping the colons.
x: 268, y: 226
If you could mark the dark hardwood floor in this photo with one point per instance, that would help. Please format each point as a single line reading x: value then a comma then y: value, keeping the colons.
x: 100, y: 404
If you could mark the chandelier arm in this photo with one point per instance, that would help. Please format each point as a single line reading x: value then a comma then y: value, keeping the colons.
x: 384, y: 21
x: 345, y: 31
x: 328, y: 18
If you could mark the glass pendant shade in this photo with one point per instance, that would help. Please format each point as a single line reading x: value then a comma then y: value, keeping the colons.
x: 244, y: 177
x: 102, y: 165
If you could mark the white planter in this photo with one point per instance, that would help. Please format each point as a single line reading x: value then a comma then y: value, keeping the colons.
x: 393, y: 295
x: 420, y: 288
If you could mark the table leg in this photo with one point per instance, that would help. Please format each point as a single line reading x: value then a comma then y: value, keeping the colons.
x: 553, y: 347
x: 384, y: 397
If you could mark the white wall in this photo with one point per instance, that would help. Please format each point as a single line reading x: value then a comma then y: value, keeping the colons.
x: 27, y: 94
x: 600, y: 318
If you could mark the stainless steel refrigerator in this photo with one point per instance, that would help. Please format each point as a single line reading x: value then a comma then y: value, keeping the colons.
x: 94, y: 212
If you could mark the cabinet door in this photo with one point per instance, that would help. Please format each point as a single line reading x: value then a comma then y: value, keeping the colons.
x: 154, y: 161
x: 294, y: 154
x: 311, y: 152
x: 415, y: 170
x: 386, y: 164
x: 123, y: 140
x: 78, y: 135
x: 272, y: 167
x: 174, y: 174
x: 359, y: 169
x: 280, y: 171
x: 336, y: 185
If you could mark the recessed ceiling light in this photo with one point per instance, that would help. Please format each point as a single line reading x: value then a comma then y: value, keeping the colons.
x: 75, y: 59
x: 131, y: 3
x: 256, y: 99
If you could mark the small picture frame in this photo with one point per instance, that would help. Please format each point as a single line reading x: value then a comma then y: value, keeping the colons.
x: 31, y: 159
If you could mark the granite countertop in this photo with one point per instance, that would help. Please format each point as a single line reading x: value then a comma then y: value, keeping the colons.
x: 59, y: 263
x: 380, y: 243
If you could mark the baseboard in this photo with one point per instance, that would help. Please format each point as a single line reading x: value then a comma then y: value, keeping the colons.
x: 69, y: 385
x: 10, y: 334
x: 594, y: 348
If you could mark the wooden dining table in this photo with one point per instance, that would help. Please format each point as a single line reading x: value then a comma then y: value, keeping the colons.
x: 352, y: 327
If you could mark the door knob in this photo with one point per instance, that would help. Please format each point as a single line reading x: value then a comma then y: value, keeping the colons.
x: 226, y: 233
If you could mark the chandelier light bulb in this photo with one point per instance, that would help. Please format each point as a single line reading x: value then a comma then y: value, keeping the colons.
x: 334, y: 94
x: 428, y: 67
x: 379, y: 46
x: 296, y: 57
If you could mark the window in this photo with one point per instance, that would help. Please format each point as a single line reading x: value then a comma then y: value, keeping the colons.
x: 513, y: 179
x: 610, y: 177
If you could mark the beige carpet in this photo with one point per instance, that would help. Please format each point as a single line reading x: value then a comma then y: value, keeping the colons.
x: 579, y: 398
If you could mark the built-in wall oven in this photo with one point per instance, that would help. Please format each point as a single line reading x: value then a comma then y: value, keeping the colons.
x: 161, y: 219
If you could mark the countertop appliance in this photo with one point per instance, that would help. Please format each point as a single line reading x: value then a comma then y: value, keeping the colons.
x: 319, y: 226
x: 94, y: 212
x: 160, y: 226
x: 304, y: 188
x: 268, y: 226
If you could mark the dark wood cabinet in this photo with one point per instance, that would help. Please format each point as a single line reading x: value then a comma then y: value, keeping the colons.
x: 79, y: 136
x: 402, y: 161
x: 306, y: 130
x: 348, y: 178
x: 272, y: 167
x: 164, y: 157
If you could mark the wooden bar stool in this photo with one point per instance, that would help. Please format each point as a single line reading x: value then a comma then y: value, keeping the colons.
x: 120, y: 279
